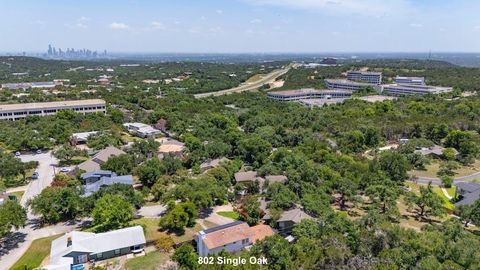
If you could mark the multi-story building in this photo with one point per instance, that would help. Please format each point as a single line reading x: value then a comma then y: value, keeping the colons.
x: 364, y: 76
x: 410, y: 80
x: 22, y: 110
x: 347, y: 85
x: 27, y: 85
x: 404, y: 89
x: 309, y: 93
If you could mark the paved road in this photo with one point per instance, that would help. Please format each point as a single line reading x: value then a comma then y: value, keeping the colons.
x: 436, y: 181
x: 269, y: 78
x: 46, y: 171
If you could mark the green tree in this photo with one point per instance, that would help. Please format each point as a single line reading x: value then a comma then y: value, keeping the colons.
x: 12, y: 215
x: 186, y: 257
x: 428, y: 203
x: 57, y: 204
x: 121, y: 165
x: 447, y: 181
x: 469, y: 213
x: 111, y: 212
x: 395, y: 165
x: 149, y: 172
x: 280, y: 196
x: 66, y: 152
x: 251, y: 210
x: 179, y: 216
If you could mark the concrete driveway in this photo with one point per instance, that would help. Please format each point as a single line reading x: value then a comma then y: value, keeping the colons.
x: 46, y: 171
x: 152, y: 211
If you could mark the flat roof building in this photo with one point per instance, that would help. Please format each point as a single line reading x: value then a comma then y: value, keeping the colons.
x: 365, y: 76
x: 22, y: 110
x: 347, y: 85
x: 308, y: 93
x: 404, y: 89
x: 410, y: 80
x: 141, y: 130
x: 27, y: 85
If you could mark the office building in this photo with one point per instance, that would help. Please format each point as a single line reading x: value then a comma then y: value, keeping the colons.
x: 22, y: 110
x: 28, y: 85
x: 141, y: 130
x: 403, y: 89
x: 364, y: 76
x: 347, y: 85
x: 410, y: 80
x: 301, y: 94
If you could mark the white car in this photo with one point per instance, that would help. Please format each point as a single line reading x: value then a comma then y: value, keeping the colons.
x: 64, y: 170
x: 17, y: 154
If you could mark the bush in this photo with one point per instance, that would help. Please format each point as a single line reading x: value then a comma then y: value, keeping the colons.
x: 164, y: 243
x: 447, y: 181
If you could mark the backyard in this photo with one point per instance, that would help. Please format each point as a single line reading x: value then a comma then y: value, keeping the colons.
x: 36, y: 253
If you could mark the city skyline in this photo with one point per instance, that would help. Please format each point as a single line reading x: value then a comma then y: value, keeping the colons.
x: 243, y: 26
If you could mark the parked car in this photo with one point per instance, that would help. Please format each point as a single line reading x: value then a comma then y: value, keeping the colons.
x: 64, y: 170
x: 17, y: 154
x: 35, y: 175
x: 39, y: 151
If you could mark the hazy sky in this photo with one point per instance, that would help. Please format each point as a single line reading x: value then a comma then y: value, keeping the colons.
x: 241, y: 25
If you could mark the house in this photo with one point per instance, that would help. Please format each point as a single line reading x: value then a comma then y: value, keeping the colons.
x: 211, y: 163
x: 434, y: 151
x: 270, y: 179
x: 76, y: 248
x: 81, y: 138
x: 141, y: 130
x: 290, y: 218
x: 249, y: 176
x: 93, y: 181
x: 170, y: 146
x: 101, y: 157
x: 468, y: 193
x: 231, y: 237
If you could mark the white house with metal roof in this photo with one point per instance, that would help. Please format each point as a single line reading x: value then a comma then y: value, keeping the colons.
x: 76, y: 248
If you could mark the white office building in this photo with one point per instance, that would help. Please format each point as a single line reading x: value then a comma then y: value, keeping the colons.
x: 404, y: 89
x: 347, y: 85
x: 364, y: 76
x: 22, y: 110
x: 28, y: 85
x: 410, y: 80
x: 309, y: 93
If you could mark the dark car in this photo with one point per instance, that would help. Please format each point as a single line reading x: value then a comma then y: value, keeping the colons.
x: 35, y: 175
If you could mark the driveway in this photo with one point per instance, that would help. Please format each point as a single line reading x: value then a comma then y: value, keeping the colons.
x: 46, y: 171
x: 16, y: 243
x: 152, y: 211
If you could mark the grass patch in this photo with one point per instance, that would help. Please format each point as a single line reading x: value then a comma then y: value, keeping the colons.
x: 35, y: 254
x: 150, y: 261
x: 17, y: 194
x: 255, y: 78
x: 432, y: 169
x: 446, y: 202
x: 229, y: 214
x: 151, y: 227
x: 451, y: 191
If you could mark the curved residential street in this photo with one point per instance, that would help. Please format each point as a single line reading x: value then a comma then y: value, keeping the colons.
x: 437, y: 181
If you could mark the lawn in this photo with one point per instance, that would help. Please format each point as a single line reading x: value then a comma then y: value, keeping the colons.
x: 434, y: 167
x: 451, y: 191
x: 446, y: 202
x: 17, y: 194
x: 36, y: 253
x: 229, y: 214
x: 151, y: 228
x: 150, y: 261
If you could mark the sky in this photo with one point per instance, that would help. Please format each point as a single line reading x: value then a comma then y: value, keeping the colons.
x: 241, y: 26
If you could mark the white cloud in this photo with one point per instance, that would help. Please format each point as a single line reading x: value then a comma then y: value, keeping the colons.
x: 157, y: 25
x: 416, y: 25
x: 82, y: 25
x: 256, y: 21
x: 363, y: 7
x: 118, y: 26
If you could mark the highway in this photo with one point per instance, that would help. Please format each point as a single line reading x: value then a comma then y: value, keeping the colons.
x: 269, y: 78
